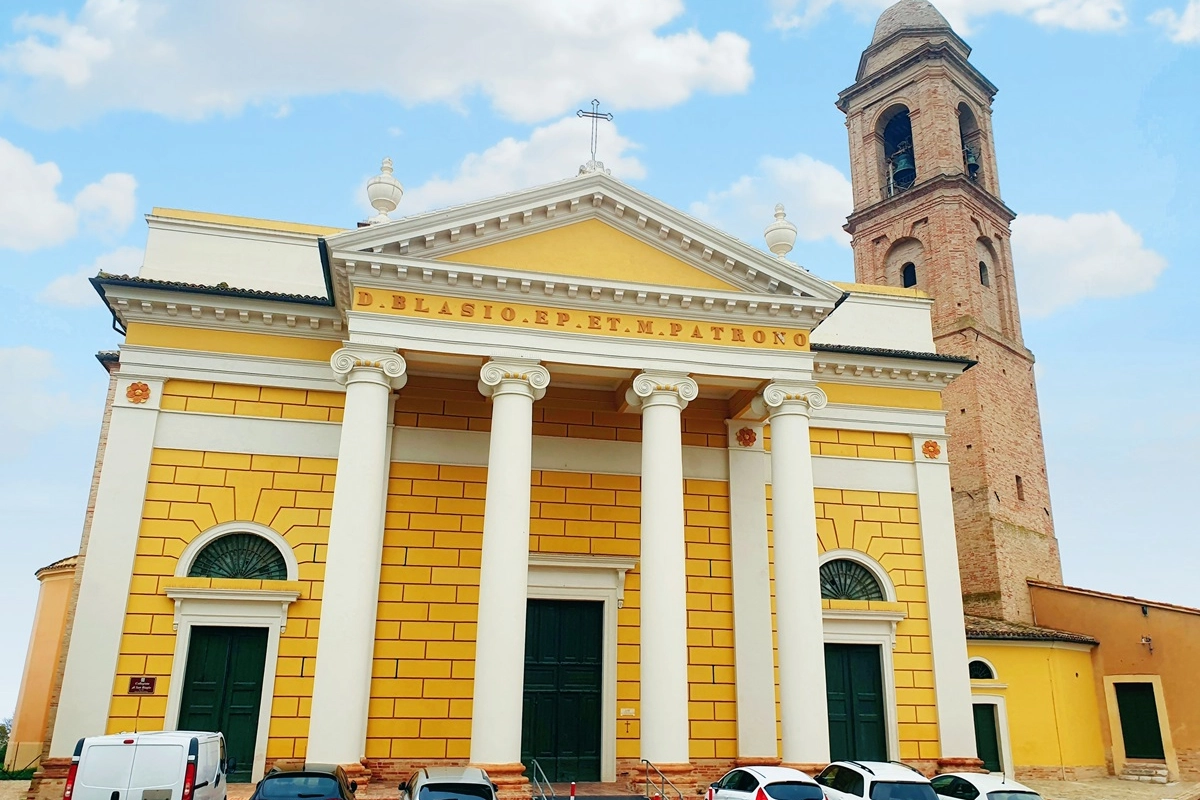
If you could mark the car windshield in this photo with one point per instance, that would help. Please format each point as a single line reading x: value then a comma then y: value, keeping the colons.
x: 455, y: 791
x: 298, y: 787
x: 793, y: 790
x: 1006, y: 794
x: 902, y: 791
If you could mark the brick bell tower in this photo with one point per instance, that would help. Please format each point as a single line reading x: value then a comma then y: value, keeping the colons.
x: 928, y: 215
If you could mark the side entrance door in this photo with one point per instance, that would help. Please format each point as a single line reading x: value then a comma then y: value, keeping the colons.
x: 1139, y: 720
x: 222, y: 689
x: 987, y: 736
x: 564, y: 642
x: 854, y: 686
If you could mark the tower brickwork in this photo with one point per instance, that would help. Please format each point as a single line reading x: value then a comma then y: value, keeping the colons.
x: 928, y: 215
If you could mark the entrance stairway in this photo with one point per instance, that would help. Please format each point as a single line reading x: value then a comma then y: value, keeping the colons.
x: 1145, y: 771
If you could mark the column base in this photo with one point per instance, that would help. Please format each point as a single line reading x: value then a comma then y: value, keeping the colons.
x: 360, y: 772
x: 49, y: 780
x: 682, y: 776
x: 960, y: 765
x: 757, y: 761
x: 808, y: 768
x: 510, y: 780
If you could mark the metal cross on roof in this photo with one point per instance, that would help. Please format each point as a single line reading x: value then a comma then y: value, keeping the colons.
x: 595, y: 116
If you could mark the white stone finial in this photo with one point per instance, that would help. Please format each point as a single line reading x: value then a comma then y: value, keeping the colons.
x: 384, y: 192
x: 780, y: 234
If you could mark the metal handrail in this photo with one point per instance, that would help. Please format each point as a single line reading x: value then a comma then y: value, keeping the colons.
x: 540, y: 784
x: 662, y: 785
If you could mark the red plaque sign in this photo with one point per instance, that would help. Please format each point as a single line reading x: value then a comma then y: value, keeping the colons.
x: 142, y: 685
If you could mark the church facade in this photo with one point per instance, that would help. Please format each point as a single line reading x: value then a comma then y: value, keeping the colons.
x: 569, y: 477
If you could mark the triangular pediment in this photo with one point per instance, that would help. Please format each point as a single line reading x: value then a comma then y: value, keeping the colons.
x: 594, y: 249
x: 591, y: 227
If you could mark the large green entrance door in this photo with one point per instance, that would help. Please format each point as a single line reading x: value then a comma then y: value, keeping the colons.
x: 1139, y: 720
x: 222, y: 689
x: 854, y: 685
x: 987, y: 736
x: 561, y: 719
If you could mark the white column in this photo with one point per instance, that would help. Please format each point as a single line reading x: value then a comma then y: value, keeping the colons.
x: 350, y: 595
x: 803, y: 706
x: 91, y: 666
x: 664, y: 657
x: 935, y: 504
x: 754, y: 650
x: 504, y: 565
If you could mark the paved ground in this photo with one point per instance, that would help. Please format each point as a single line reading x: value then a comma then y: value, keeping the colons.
x: 13, y: 790
x: 1114, y: 789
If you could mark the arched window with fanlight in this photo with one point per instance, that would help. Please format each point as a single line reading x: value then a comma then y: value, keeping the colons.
x: 843, y: 579
x: 240, y: 555
x: 981, y: 670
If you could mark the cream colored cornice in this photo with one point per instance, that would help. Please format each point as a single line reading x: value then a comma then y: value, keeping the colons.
x: 895, y: 371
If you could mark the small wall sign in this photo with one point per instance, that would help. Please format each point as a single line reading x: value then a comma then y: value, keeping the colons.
x: 142, y: 684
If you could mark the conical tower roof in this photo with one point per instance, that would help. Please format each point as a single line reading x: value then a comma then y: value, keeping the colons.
x: 909, y: 15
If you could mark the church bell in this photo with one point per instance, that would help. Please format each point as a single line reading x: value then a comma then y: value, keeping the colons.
x: 972, y: 163
x: 904, y: 170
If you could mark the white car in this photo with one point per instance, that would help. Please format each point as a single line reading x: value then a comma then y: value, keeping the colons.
x: 877, y: 780
x: 764, y: 783
x: 448, y: 783
x: 972, y: 785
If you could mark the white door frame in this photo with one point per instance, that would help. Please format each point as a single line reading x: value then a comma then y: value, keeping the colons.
x: 229, y: 608
x: 598, y: 579
x: 871, y: 628
x: 997, y: 700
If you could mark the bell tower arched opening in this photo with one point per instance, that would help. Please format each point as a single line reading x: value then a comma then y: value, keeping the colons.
x: 972, y: 141
x: 899, y: 164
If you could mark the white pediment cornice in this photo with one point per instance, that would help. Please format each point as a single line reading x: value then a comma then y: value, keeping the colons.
x: 443, y: 233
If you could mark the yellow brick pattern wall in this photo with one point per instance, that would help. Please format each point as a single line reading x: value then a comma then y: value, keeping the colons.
x: 252, y: 401
x: 188, y: 493
x: 855, y: 444
x: 886, y: 527
x: 712, y: 690
x: 424, y: 667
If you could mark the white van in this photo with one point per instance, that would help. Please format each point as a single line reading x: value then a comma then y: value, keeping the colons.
x: 168, y: 765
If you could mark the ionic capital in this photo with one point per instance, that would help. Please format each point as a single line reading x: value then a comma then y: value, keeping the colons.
x: 784, y: 397
x: 662, y: 388
x: 513, y: 376
x: 361, y: 364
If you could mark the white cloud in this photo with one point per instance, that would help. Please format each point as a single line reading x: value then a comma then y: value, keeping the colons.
x: 30, y: 402
x: 534, y: 59
x: 1087, y: 15
x: 32, y: 214
x: 1063, y: 261
x: 551, y: 153
x: 817, y: 197
x: 74, y: 291
x: 1181, y: 28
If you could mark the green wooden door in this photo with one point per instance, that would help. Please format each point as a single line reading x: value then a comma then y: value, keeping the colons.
x: 1139, y: 720
x: 222, y: 689
x: 987, y: 736
x: 561, y: 717
x: 854, y: 686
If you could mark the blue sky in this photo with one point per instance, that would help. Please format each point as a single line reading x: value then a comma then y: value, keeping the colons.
x: 283, y: 109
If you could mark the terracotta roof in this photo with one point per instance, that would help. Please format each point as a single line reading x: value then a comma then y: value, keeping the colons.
x: 985, y: 628
x: 220, y: 289
x: 909, y: 15
x: 883, y: 351
x: 63, y: 563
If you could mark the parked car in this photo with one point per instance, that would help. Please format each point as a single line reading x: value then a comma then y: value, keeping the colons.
x: 877, y: 780
x: 765, y: 783
x: 972, y: 785
x: 167, y: 765
x: 448, y: 783
x: 307, y: 782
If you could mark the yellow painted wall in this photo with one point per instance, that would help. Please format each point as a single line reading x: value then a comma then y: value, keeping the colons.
x: 32, y: 715
x: 233, y: 342
x: 886, y: 526
x: 590, y: 249
x: 203, y: 397
x: 1053, y: 715
x: 190, y: 492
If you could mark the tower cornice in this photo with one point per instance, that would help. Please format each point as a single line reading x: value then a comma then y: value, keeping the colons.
x: 925, y: 52
x: 929, y: 191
